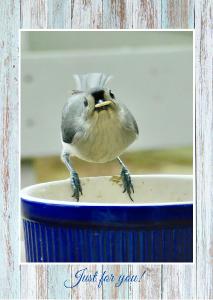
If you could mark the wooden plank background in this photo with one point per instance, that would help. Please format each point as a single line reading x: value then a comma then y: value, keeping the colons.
x: 177, y: 281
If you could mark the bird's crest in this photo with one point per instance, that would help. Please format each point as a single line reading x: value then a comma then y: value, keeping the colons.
x: 85, y: 82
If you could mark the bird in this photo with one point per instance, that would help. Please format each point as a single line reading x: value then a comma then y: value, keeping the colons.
x: 96, y: 127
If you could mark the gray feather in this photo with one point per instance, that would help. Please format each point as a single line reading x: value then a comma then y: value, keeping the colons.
x: 135, y: 124
x: 73, y: 109
x: 71, y: 118
x: 89, y: 81
x: 68, y: 133
x: 130, y: 122
x: 95, y: 137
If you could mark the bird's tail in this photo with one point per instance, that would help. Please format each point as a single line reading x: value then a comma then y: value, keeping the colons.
x: 89, y: 81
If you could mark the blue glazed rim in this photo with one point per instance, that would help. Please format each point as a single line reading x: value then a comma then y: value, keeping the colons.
x: 86, y: 214
x: 109, y: 216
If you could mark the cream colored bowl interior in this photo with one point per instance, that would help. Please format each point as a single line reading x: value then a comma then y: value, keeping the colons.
x: 149, y: 189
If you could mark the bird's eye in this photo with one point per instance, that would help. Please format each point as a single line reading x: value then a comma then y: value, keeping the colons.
x: 85, y: 102
x: 111, y: 95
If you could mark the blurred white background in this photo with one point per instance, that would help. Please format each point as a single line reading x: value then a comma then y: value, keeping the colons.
x: 153, y: 76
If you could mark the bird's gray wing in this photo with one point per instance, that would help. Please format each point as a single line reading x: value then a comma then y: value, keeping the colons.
x: 68, y: 132
x: 71, y: 124
x: 129, y: 119
x: 136, y: 126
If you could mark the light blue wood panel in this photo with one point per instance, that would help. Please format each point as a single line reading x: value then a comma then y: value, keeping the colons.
x: 34, y: 284
x: 45, y: 282
x: 57, y: 275
x: 86, y: 14
x: 177, y: 14
x: 150, y: 284
x: 9, y: 151
x: 86, y: 289
x: 110, y: 290
x: 33, y: 14
x: 204, y: 148
x: 59, y: 14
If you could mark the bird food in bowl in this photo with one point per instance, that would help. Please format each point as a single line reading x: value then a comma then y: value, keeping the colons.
x: 105, y: 225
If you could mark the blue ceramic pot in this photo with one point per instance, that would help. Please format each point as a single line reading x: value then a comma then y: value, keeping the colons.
x: 105, y: 226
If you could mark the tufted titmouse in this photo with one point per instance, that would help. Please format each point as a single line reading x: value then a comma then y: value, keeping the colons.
x: 96, y: 127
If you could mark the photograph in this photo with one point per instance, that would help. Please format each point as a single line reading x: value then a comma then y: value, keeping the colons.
x: 107, y: 146
x: 106, y: 152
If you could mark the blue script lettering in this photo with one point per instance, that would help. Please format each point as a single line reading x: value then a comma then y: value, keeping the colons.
x: 105, y: 278
x: 128, y: 278
x: 82, y: 277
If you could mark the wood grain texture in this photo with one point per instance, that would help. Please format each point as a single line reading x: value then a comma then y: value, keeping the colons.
x: 9, y: 156
x: 57, y: 274
x: 86, y: 14
x: 204, y: 148
x: 167, y: 281
x: 150, y: 286
x: 86, y: 290
x: 33, y: 14
x: 28, y: 281
x: 146, y: 14
x: 177, y: 14
x: 117, y: 14
x: 59, y: 14
x: 34, y: 284
x: 110, y: 291
x: 178, y: 281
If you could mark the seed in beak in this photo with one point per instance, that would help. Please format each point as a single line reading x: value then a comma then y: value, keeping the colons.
x: 103, y: 103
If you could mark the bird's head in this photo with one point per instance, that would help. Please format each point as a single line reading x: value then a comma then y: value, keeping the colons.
x: 99, y: 101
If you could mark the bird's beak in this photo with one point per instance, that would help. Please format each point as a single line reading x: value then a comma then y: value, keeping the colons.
x: 103, y: 103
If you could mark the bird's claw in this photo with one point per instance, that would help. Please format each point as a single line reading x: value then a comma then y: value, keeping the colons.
x: 127, y: 183
x: 76, y: 186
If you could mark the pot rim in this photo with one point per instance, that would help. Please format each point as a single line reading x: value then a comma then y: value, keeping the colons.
x: 27, y: 198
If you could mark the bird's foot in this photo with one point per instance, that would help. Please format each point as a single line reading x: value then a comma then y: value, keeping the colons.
x: 127, y: 183
x: 76, y: 185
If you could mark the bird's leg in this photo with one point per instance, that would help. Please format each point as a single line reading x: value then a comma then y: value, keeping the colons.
x: 75, y: 181
x: 126, y: 179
